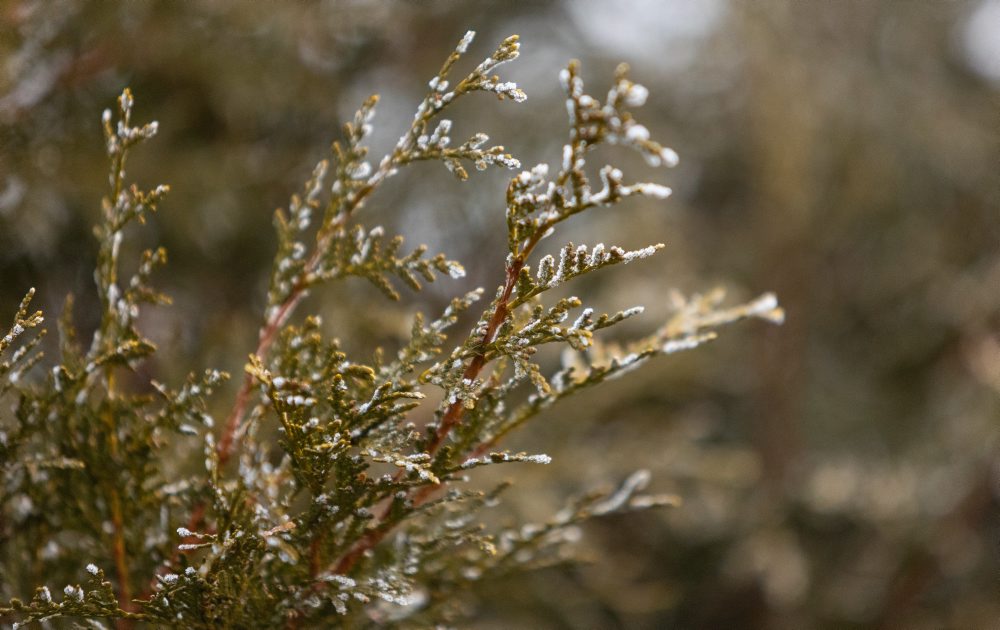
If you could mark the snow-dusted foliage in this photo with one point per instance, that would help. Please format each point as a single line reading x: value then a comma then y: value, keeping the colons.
x: 362, y: 512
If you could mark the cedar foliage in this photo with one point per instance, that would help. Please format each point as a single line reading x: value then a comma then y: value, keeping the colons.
x: 358, y: 516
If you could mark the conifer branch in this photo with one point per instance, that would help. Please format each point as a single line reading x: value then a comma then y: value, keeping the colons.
x: 349, y: 196
x: 524, y: 235
x: 354, y: 506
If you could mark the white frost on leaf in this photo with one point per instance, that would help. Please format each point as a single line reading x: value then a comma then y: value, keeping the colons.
x: 463, y: 45
x: 636, y: 95
x: 635, y: 482
x: 637, y: 133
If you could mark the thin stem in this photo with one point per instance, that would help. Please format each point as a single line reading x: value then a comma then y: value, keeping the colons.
x: 453, y: 414
x: 271, y: 327
x: 269, y: 330
x: 110, y: 278
x: 121, y: 565
x: 118, y: 551
x: 399, y: 156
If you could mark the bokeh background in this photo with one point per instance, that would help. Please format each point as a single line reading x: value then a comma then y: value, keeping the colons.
x: 840, y: 471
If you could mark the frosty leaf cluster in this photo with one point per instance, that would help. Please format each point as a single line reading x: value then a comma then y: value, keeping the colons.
x: 332, y: 489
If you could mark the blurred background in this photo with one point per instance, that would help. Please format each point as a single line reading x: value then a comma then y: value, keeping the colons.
x: 840, y: 471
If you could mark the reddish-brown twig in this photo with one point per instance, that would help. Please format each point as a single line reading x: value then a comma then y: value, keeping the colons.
x: 454, y: 412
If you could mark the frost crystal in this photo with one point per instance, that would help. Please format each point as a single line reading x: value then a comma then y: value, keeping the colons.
x: 654, y: 190
x: 677, y: 345
x: 563, y: 78
x: 636, y: 481
x: 73, y: 592
x: 669, y: 157
x: 456, y: 270
x: 639, y: 254
x: 763, y: 304
x: 637, y: 133
x: 463, y: 45
x: 636, y: 95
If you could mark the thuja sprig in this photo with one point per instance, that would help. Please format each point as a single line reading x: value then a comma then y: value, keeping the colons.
x: 88, y: 476
x: 24, y: 332
x: 536, y: 205
x: 96, y: 598
x: 340, y: 250
x: 358, y: 512
x: 21, y: 360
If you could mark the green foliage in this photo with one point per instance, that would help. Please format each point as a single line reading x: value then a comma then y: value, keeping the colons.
x: 361, y: 513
